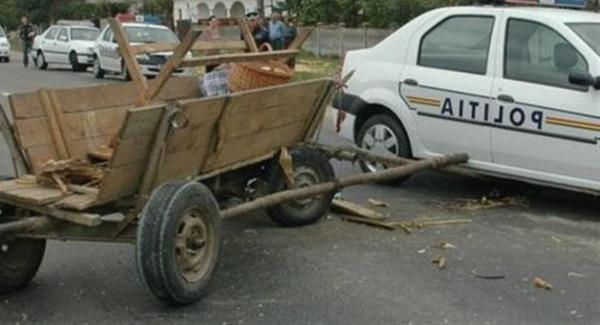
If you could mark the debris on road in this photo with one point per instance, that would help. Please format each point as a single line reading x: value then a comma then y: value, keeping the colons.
x: 443, y: 245
x: 576, y: 275
x: 378, y: 204
x: 541, y: 283
x: 486, y: 203
x: 488, y: 277
x: 346, y: 207
x: 440, y: 261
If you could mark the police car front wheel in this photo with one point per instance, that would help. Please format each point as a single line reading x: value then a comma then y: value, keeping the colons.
x: 383, y: 135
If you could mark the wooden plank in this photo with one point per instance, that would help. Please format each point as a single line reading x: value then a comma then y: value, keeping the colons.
x: 357, y: 210
x: 247, y: 34
x: 130, y: 60
x: 239, y: 149
x: 141, y: 122
x: 33, y: 132
x: 28, y: 105
x: 55, y: 128
x: 152, y: 48
x: 92, y: 124
x: 221, y: 45
x: 238, y: 57
x: 25, y: 105
x: 319, y: 108
x: 120, y: 182
x: 16, y: 154
x: 78, y: 202
x: 29, y: 193
x: 180, y: 51
x: 302, y: 37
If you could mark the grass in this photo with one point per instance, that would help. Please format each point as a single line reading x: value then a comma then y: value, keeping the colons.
x: 309, y: 66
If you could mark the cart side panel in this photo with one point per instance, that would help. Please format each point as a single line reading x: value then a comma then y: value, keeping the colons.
x: 91, y: 117
x: 131, y: 153
x: 225, y: 131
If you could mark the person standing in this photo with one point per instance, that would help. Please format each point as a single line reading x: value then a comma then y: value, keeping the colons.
x: 276, y: 31
x: 259, y: 33
x: 290, y: 33
x: 27, y: 35
x: 211, y: 34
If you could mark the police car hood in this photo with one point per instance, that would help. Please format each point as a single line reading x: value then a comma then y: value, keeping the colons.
x: 3, y: 40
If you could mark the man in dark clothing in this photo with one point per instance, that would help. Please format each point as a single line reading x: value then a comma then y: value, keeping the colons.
x: 260, y: 34
x: 26, y: 34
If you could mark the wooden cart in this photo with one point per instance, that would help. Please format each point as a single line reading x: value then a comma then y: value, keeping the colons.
x: 112, y: 163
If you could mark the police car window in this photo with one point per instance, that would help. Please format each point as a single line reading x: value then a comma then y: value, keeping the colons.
x: 459, y: 43
x: 63, y: 35
x: 536, y: 53
x: 51, y: 34
x: 107, y: 35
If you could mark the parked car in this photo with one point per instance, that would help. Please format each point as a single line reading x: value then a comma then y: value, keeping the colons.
x: 4, y: 46
x: 514, y: 87
x: 108, y: 59
x: 60, y: 44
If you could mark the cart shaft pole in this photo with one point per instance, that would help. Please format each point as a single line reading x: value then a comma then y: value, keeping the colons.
x: 307, y: 192
x: 23, y: 225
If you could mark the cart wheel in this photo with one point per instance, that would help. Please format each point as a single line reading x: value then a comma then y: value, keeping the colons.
x: 20, y: 260
x: 178, y: 242
x: 310, y: 167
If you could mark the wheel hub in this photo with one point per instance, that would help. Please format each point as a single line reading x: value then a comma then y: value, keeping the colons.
x: 193, y: 245
x: 305, y: 177
x: 380, y: 139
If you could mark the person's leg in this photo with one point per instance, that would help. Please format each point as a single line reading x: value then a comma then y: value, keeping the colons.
x: 26, y: 50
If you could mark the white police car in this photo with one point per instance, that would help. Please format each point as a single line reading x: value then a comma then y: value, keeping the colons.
x: 108, y: 59
x: 4, y: 46
x: 516, y: 88
x: 64, y: 44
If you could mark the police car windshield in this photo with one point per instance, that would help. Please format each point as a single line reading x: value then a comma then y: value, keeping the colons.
x: 590, y: 33
x: 150, y: 35
x: 84, y: 34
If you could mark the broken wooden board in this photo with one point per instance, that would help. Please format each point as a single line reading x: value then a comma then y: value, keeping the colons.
x: 28, y: 193
x: 77, y: 202
x: 354, y: 209
x: 238, y: 57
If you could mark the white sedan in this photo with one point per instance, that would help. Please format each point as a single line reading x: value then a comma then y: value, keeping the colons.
x: 108, y: 59
x: 515, y: 88
x: 71, y: 45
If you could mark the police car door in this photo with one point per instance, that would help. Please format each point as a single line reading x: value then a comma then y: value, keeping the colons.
x: 107, y: 51
x: 547, y: 128
x: 447, y: 84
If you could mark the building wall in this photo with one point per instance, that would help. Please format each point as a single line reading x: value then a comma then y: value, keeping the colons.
x: 198, y: 9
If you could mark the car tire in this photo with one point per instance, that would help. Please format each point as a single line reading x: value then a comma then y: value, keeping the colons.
x: 310, y: 167
x: 97, y: 68
x: 20, y: 259
x: 178, y: 242
x: 125, y: 73
x: 75, y: 66
x: 40, y: 61
x: 384, y: 135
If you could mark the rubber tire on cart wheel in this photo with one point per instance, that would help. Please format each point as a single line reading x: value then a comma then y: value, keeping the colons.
x: 310, y: 167
x: 40, y: 61
x: 75, y: 66
x: 20, y: 259
x: 179, y: 271
x: 97, y: 68
x: 392, y: 131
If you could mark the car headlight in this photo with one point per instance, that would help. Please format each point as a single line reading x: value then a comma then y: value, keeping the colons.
x: 144, y: 57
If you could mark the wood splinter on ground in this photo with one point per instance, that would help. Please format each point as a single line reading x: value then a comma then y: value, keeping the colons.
x: 358, y: 214
x: 541, y: 283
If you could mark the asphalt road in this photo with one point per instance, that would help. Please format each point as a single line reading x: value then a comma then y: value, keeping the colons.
x: 339, y: 272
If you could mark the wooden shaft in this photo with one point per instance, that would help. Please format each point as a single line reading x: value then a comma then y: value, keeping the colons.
x: 131, y: 62
x: 353, y: 154
x: 23, y: 225
x: 307, y: 192
x: 173, y: 62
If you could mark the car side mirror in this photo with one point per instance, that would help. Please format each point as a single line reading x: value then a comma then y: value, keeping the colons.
x: 584, y: 79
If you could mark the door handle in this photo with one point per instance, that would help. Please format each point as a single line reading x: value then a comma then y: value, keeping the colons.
x: 411, y: 82
x: 506, y: 98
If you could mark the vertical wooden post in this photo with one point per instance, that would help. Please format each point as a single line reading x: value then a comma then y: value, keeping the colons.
x: 56, y: 131
x: 131, y: 62
x: 247, y: 34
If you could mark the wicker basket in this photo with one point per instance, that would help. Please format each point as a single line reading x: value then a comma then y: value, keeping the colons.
x: 253, y: 75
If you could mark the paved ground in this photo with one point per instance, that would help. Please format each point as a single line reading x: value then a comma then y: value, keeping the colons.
x: 338, y: 272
